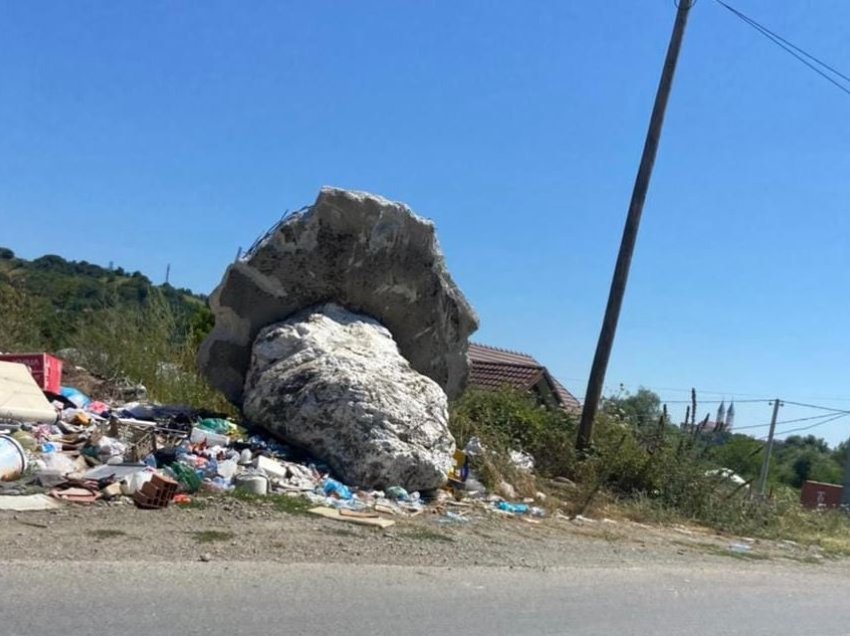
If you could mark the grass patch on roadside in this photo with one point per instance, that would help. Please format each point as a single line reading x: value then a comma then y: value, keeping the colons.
x: 654, y: 473
x: 212, y: 536
x: 277, y: 502
x: 107, y: 533
x: 419, y: 533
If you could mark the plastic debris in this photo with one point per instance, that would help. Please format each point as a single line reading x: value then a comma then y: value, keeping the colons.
x: 335, y: 488
x: 516, y: 509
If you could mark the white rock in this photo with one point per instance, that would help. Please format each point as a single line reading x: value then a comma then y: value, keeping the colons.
x: 334, y: 383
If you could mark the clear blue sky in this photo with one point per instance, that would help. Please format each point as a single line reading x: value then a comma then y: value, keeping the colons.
x: 174, y: 132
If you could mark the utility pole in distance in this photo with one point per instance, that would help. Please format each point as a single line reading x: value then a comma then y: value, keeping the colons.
x: 768, y: 449
x: 627, y: 244
x: 845, y: 493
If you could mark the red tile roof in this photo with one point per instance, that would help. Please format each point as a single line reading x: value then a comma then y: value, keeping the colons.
x: 494, y: 368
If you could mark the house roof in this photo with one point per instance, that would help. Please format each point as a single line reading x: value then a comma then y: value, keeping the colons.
x: 493, y: 368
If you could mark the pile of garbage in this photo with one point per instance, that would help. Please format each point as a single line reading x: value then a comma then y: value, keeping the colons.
x: 154, y: 456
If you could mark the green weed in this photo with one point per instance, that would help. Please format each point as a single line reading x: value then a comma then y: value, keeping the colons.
x: 211, y: 536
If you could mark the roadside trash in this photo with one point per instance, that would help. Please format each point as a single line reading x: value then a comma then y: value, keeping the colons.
x: 26, y: 503
x: 155, y: 493
x: 215, y: 425
x: 209, y: 438
x: 186, y: 477
x: 473, y: 447
x: 452, y: 517
x: 739, y: 548
x: 335, y: 488
x: 522, y: 461
x: 272, y: 468
x: 537, y: 511
x: 516, y: 509
x: 13, y: 459
x: 134, y: 482
x: 45, y: 369
x: 338, y: 515
x: 26, y: 440
x: 227, y: 468
x: 85, y: 451
x: 21, y: 399
x: 398, y: 493
x: 252, y: 483
x: 77, y: 398
x: 76, y: 495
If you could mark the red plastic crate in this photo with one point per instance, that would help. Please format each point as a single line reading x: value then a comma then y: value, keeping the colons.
x: 45, y: 368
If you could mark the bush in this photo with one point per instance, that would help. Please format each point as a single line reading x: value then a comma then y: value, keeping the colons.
x: 508, y: 420
x: 150, y: 346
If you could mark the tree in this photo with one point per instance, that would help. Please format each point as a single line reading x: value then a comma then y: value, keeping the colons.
x: 639, y: 409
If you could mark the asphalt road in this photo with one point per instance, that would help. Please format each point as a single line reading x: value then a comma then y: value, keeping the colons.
x: 151, y: 599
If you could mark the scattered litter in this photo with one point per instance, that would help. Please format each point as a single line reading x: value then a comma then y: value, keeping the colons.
x: 452, y: 517
x: 516, y: 509
x: 252, y: 483
x: 739, y: 548
x: 25, y: 503
x: 332, y: 487
x: 333, y: 513
x: 13, y: 459
x: 75, y: 495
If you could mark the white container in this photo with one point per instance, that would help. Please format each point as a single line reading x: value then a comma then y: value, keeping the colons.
x: 252, y: 483
x: 212, y: 439
x: 13, y: 459
x: 274, y: 469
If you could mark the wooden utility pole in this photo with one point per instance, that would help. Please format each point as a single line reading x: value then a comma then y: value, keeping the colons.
x: 768, y: 449
x: 845, y: 493
x: 627, y: 244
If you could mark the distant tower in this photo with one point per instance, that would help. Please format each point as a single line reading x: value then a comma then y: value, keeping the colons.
x: 721, y: 416
x: 730, y: 416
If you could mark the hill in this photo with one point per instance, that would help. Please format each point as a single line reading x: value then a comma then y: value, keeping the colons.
x: 45, y: 300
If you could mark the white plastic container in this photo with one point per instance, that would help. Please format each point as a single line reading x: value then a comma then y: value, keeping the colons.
x: 252, y: 483
x: 13, y: 459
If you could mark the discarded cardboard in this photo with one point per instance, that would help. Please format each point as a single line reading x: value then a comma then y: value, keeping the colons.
x: 360, y: 514
x: 26, y: 503
x: 333, y: 513
x: 76, y: 495
x: 21, y: 399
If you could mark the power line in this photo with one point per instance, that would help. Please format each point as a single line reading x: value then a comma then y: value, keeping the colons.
x: 806, y: 428
x: 815, y: 406
x: 792, y: 49
x: 735, y: 400
x: 799, y: 419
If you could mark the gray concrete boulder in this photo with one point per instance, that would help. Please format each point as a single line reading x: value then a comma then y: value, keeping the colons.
x: 371, y: 256
x: 334, y: 383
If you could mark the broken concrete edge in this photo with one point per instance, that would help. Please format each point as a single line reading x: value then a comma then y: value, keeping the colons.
x: 361, y: 251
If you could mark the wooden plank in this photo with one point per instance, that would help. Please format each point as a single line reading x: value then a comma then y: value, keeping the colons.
x: 333, y: 513
x: 360, y: 514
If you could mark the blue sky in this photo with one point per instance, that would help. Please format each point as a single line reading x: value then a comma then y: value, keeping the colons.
x: 165, y: 132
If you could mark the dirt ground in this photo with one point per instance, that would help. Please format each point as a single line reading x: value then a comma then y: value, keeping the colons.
x: 224, y: 528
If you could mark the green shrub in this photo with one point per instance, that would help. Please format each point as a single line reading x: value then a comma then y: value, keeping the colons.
x: 150, y: 346
x: 508, y: 420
